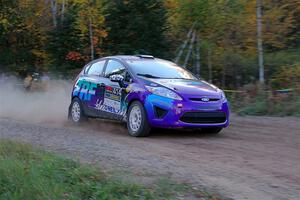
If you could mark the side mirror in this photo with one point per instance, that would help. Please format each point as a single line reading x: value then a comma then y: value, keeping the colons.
x: 116, y: 78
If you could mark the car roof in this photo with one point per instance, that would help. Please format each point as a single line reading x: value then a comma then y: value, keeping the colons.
x: 131, y: 57
x: 126, y: 59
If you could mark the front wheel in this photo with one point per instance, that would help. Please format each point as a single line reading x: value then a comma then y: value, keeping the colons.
x: 212, y: 130
x: 137, y: 122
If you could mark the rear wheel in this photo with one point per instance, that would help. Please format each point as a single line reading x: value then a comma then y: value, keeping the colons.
x: 76, y: 114
x: 137, y: 122
x: 212, y: 130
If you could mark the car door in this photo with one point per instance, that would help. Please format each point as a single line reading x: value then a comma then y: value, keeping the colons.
x: 92, y: 88
x: 114, y: 95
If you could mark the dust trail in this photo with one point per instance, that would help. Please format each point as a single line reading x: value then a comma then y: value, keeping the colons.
x: 48, y: 106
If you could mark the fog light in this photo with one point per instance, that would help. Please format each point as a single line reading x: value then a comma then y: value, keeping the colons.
x: 160, y: 113
x: 179, y: 105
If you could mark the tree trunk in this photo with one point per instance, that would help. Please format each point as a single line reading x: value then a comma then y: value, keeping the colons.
x: 54, y: 11
x: 182, y: 47
x: 209, y: 65
x: 198, y: 61
x: 224, y: 76
x: 91, y: 38
x: 63, y: 6
x: 260, y: 40
x: 186, y: 60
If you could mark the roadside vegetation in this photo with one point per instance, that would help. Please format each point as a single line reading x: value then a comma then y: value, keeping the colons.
x: 261, y: 102
x: 28, y: 173
x: 256, y: 99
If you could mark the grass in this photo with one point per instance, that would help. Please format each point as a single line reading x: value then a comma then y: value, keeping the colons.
x: 30, y: 173
x: 265, y: 108
x: 262, y: 107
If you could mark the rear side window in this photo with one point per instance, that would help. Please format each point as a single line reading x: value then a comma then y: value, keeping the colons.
x: 114, y: 67
x: 86, y: 68
x: 97, y: 68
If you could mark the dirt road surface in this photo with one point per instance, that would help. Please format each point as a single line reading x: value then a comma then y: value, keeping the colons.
x: 255, y: 158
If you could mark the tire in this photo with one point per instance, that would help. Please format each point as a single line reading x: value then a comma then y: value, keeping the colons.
x: 76, y: 114
x: 137, y: 122
x: 212, y: 130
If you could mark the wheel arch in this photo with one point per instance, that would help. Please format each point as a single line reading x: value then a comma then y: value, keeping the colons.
x: 131, y: 101
x: 75, y: 96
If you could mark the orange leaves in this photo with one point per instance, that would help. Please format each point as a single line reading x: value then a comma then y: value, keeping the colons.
x: 102, y: 33
x: 73, y: 56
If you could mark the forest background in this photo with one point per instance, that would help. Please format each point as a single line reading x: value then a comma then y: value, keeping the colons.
x: 250, y: 48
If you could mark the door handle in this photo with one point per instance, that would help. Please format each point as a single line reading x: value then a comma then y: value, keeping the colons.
x: 101, y: 85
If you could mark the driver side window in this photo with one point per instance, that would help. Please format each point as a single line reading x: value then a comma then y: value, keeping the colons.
x: 114, y: 67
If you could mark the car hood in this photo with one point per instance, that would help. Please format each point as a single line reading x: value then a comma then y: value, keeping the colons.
x: 191, y: 88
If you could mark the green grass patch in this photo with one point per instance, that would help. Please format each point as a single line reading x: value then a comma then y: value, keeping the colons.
x: 28, y: 173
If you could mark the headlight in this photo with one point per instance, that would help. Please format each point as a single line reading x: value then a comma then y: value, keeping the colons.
x: 164, y: 92
x: 223, y: 97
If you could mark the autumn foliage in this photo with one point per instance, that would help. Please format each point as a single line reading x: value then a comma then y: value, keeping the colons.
x: 63, y: 35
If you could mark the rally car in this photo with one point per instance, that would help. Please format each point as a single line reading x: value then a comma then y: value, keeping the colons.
x: 147, y: 92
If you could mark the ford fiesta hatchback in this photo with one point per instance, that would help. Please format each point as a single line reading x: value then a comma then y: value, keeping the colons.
x: 146, y: 92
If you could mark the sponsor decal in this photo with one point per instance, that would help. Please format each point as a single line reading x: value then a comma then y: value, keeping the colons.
x: 115, y: 105
x: 128, y: 89
x: 98, y: 104
x: 85, y: 90
x: 112, y: 96
x: 110, y: 106
x: 112, y: 101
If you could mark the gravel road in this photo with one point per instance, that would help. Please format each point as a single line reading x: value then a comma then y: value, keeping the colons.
x: 255, y: 158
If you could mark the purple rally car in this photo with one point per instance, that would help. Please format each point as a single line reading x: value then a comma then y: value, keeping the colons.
x: 147, y: 92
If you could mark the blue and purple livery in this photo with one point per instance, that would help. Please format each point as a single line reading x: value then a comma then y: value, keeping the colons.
x: 147, y: 92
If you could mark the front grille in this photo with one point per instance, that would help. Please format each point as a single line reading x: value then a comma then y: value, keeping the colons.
x: 203, y: 117
x: 200, y: 99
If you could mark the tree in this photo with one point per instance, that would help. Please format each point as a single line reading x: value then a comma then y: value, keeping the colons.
x: 260, y: 41
x: 23, y: 33
x: 78, y: 36
x: 227, y: 30
x: 65, y: 41
x: 136, y: 27
x: 211, y: 17
x: 90, y: 22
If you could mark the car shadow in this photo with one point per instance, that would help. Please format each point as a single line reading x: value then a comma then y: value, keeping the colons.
x: 120, y: 129
x: 182, y: 133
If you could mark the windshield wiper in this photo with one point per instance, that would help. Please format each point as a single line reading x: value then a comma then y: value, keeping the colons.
x: 182, y: 78
x: 148, y: 76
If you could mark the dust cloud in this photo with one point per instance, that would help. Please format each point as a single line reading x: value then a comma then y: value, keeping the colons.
x: 49, y: 106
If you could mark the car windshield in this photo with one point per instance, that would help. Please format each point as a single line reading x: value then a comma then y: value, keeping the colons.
x: 157, y: 68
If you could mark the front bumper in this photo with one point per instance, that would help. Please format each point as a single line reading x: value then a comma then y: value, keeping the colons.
x: 176, y: 111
